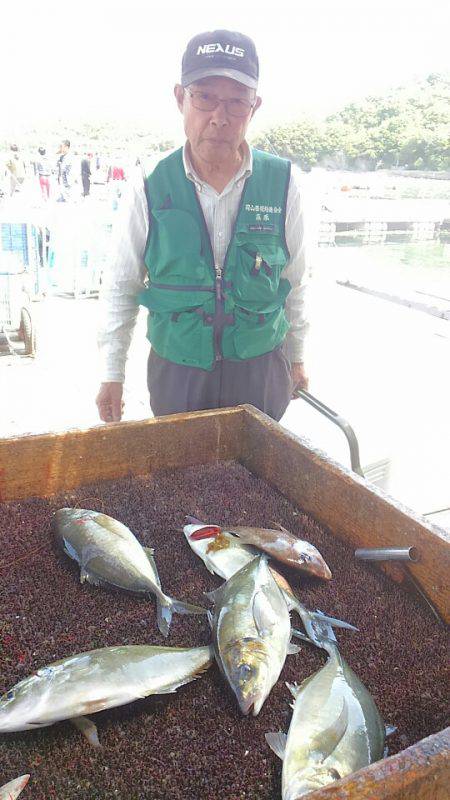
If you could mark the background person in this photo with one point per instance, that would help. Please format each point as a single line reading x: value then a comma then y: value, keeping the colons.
x: 212, y: 243
x: 86, y: 174
x: 43, y: 171
x: 66, y: 176
x: 15, y: 169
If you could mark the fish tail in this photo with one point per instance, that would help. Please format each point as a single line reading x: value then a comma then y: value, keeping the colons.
x: 319, y: 626
x: 180, y: 607
x: 167, y: 606
x: 164, y: 615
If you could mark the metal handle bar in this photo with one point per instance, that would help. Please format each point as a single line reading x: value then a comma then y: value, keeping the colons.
x: 342, y: 423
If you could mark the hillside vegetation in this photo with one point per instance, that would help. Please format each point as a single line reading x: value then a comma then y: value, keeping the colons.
x: 408, y: 127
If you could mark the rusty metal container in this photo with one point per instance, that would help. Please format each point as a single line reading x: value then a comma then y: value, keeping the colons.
x: 351, y: 509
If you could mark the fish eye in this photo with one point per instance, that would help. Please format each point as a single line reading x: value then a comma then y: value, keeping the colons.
x: 334, y: 774
x: 245, y: 671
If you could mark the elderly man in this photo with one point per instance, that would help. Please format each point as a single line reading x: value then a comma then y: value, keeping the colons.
x: 212, y: 243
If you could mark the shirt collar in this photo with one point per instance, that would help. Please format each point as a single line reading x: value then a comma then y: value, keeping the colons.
x: 243, y: 172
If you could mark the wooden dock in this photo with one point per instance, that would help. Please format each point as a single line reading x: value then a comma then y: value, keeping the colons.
x: 379, y: 221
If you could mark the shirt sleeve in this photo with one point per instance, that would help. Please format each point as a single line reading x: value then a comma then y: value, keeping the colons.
x: 299, y: 242
x: 122, y: 281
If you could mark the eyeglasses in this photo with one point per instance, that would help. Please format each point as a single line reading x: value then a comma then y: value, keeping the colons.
x: 205, y: 101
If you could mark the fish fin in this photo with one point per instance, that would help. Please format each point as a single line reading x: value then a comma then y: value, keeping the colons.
x: 390, y: 729
x: 163, y: 616
x: 70, y: 550
x: 263, y: 614
x: 149, y: 551
x: 293, y: 688
x: 292, y: 649
x: 188, y: 679
x: 85, y: 575
x: 169, y: 606
x: 88, y: 729
x: 277, y: 743
x: 214, y: 595
x: 282, y: 528
x: 319, y: 626
x: 299, y: 635
x: 335, y: 623
x: 326, y: 741
x: 181, y: 607
x: 210, y: 618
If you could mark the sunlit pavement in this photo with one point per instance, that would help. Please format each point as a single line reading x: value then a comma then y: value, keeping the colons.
x: 382, y: 366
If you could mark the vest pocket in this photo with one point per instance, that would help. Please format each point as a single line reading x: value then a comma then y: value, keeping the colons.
x: 257, y: 275
x: 175, y: 237
x: 184, y: 337
x: 258, y: 333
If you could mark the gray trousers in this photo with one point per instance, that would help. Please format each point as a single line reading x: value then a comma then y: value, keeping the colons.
x: 265, y: 382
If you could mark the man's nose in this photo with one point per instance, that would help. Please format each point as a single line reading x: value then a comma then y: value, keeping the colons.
x: 219, y: 115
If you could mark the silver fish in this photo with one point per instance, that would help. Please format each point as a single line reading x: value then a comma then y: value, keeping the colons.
x: 251, y: 633
x: 12, y: 789
x: 96, y: 680
x: 109, y: 553
x: 335, y: 729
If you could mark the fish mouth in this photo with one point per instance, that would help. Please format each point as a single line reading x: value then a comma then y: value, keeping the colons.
x: 319, y: 568
x: 21, y: 782
x: 245, y: 704
x: 253, y: 703
x: 206, y: 532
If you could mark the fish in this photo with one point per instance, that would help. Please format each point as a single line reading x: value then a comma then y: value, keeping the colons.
x: 224, y: 555
x: 278, y: 544
x: 251, y: 633
x: 283, y: 546
x: 335, y: 729
x: 109, y: 554
x: 12, y: 789
x: 93, y: 681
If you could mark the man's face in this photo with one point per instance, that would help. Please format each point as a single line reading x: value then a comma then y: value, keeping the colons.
x: 215, y: 136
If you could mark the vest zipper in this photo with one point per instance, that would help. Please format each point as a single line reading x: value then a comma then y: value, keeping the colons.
x: 218, y: 316
x: 219, y: 293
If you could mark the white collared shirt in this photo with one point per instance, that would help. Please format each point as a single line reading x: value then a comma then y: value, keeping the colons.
x: 127, y: 273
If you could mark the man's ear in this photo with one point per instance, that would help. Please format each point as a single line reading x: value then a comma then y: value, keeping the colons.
x: 256, y: 106
x: 179, y: 96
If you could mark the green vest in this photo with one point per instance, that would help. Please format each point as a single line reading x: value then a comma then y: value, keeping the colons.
x: 198, y: 313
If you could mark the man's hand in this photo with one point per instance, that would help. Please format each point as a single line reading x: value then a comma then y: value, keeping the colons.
x: 299, y: 378
x: 109, y: 401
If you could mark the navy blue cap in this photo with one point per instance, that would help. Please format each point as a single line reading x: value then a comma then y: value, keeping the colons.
x: 225, y: 53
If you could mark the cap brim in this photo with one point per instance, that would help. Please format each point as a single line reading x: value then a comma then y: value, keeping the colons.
x: 221, y: 72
